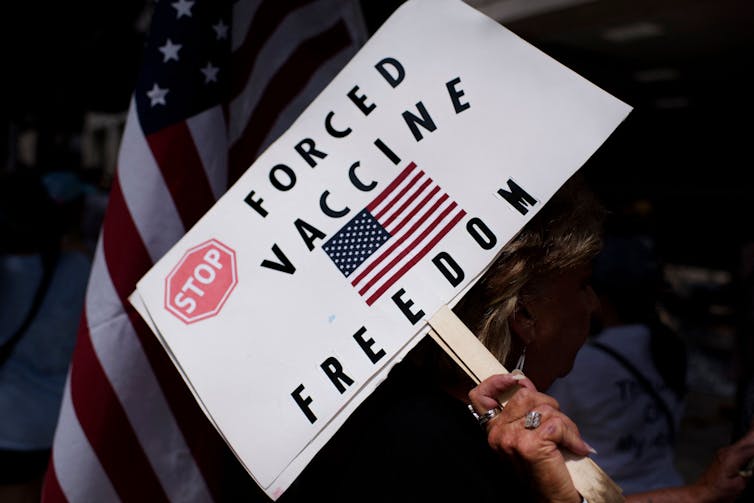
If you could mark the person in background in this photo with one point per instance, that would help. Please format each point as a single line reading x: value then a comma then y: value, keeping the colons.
x: 626, y: 389
x: 43, y: 276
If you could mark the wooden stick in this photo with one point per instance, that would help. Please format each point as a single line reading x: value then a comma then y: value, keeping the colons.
x: 474, y: 358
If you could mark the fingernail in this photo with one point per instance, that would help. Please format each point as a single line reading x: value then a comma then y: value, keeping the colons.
x: 518, y: 377
x: 591, y: 449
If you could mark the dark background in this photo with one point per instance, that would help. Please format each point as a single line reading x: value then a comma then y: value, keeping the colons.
x: 683, y: 149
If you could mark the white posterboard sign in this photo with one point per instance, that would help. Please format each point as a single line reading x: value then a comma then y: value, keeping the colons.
x: 291, y: 299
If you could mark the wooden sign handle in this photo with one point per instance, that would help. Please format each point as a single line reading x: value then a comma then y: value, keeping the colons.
x: 474, y: 358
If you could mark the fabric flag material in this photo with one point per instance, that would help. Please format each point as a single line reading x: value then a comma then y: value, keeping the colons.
x: 410, y: 216
x: 220, y: 81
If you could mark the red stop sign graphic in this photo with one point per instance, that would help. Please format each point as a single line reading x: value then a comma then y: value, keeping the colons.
x: 200, y: 284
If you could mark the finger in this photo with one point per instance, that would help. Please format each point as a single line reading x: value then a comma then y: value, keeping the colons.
x: 485, y: 395
x: 561, y: 430
x: 514, y: 423
x: 545, y: 412
x: 736, y: 456
x: 523, y: 380
x: 747, y: 470
x: 526, y: 400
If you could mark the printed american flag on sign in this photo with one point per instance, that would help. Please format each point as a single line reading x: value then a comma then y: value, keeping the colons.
x: 220, y: 81
x: 393, y: 233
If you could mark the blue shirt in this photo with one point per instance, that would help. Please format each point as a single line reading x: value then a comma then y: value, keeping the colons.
x: 33, y: 377
x: 616, y: 416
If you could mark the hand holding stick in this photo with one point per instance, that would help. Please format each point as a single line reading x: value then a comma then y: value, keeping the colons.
x: 471, y: 355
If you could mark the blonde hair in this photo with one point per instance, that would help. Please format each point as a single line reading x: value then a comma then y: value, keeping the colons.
x: 564, y: 234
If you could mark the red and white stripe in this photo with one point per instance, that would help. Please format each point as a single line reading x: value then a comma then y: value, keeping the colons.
x: 129, y: 428
x: 417, y: 214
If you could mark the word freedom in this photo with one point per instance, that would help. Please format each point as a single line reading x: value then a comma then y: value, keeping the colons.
x: 283, y: 178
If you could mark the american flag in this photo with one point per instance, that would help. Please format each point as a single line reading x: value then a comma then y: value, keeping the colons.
x: 409, y: 217
x: 220, y: 81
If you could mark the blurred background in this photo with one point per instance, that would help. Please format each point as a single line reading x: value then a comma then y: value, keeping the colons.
x: 676, y: 170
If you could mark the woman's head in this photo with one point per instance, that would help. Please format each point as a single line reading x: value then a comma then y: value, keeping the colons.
x: 536, y: 295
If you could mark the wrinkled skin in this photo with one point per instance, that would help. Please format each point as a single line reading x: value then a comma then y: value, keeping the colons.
x: 535, y: 453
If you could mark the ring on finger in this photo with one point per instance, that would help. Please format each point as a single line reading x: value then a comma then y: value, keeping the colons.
x: 483, y: 419
x: 532, y: 420
x: 487, y: 416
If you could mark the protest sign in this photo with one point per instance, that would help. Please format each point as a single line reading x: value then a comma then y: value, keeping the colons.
x: 291, y: 299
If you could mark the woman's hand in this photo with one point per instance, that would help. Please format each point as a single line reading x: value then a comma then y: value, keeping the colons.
x: 534, y: 451
x: 723, y: 479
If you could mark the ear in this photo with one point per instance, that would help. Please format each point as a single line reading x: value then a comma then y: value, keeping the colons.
x: 522, y: 323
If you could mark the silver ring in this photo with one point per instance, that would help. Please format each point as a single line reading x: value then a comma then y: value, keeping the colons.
x: 745, y: 473
x: 483, y: 419
x: 473, y: 412
x: 533, y: 420
x: 487, y: 416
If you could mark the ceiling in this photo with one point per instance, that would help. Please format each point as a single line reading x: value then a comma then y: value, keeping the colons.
x: 686, y: 66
